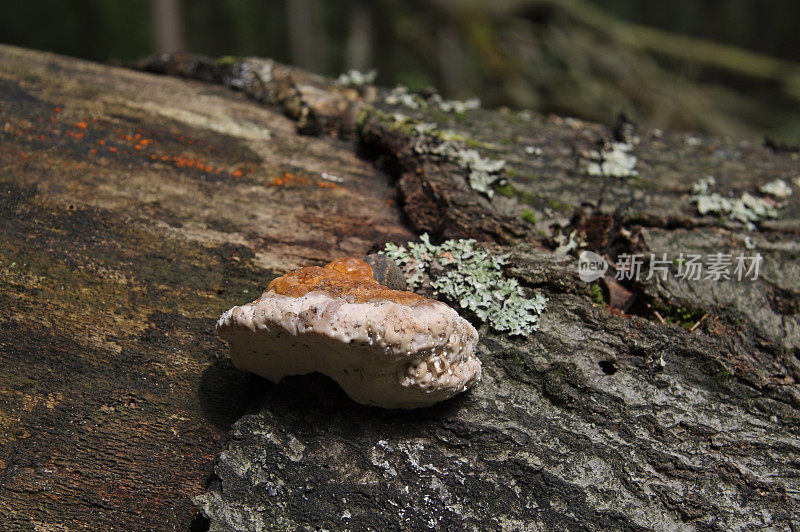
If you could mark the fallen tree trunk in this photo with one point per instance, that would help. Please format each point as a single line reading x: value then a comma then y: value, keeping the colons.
x: 136, y: 208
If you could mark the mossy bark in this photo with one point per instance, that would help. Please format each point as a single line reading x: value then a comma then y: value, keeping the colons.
x: 114, y: 264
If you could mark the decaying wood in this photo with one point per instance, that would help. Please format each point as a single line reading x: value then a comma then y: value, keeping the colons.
x: 137, y: 207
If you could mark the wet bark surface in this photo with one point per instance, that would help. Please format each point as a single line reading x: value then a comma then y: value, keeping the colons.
x: 678, y: 409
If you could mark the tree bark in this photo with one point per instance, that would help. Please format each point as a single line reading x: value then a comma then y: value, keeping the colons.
x: 136, y: 208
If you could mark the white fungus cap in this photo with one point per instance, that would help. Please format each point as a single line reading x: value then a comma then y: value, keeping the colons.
x: 394, y: 352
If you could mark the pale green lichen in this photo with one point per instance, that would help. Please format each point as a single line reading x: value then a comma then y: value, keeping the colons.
x: 565, y: 245
x: 400, y: 95
x: 777, y: 189
x: 614, y: 160
x: 483, y: 172
x: 747, y: 208
x: 355, y: 78
x: 473, y: 278
x: 533, y: 150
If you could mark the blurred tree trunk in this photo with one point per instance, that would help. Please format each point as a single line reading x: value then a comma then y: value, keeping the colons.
x: 168, y: 26
x: 358, y: 51
x: 305, y: 34
x: 453, y: 63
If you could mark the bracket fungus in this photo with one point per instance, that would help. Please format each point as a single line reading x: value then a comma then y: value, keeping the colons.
x: 384, y: 347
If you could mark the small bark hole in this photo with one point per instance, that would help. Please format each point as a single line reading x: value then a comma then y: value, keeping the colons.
x: 608, y: 367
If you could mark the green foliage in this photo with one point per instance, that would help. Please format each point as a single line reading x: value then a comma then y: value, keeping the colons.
x: 473, y: 278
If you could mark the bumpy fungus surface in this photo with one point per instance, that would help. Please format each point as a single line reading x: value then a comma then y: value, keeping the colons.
x: 384, y: 347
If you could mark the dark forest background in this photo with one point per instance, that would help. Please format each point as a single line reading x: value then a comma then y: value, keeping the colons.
x: 728, y: 67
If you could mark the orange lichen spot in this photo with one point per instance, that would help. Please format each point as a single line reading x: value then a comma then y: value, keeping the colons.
x: 165, y: 158
x: 347, y: 277
x: 53, y: 119
x: 154, y: 156
x: 128, y: 138
x: 81, y: 125
x: 41, y: 136
x: 145, y: 142
x: 137, y: 147
x: 101, y: 142
x: 93, y: 151
x: 137, y: 136
x: 325, y: 184
x: 58, y: 109
x: 113, y: 149
x: 237, y: 173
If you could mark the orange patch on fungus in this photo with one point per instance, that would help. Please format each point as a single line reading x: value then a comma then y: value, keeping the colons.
x: 348, y: 277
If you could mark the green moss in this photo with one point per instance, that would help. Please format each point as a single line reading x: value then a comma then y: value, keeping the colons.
x: 510, y: 172
x: 363, y: 114
x: 686, y: 317
x: 505, y: 190
x: 596, y: 294
x: 556, y: 205
x: 723, y: 376
x: 227, y: 60
x: 529, y: 215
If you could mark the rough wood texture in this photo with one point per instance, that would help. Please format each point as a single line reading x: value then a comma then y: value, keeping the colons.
x: 113, y: 265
